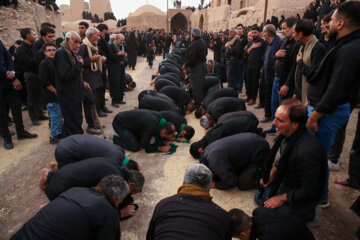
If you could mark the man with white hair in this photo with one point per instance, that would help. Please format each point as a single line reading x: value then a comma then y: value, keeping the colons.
x: 231, y: 56
x: 190, y: 214
x: 68, y: 83
x: 195, y: 64
x: 93, y: 61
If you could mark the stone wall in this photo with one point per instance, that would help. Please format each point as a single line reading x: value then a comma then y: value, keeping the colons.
x: 28, y: 14
x: 146, y: 21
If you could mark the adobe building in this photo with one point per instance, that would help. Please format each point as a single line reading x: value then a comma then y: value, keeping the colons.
x: 73, y: 12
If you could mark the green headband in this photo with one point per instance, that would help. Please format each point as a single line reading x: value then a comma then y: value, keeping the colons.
x: 182, y: 128
x: 126, y: 161
x: 161, y: 124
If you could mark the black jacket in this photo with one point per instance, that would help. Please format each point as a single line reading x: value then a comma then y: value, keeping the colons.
x: 92, y: 77
x: 157, y: 104
x: 269, y: 224
x: 6, y: 64
x: 73, y: 215
x: 336, y: 81
x: 229, y: 156
x: 184, y: 216
x: 25, y: 58
x: 224, y: 92
x: 240, y: 122
x: 179, y: 95
x: 47, y: 73
x: 142, y: 123
x: 224, y: 105
x: 196, y: 53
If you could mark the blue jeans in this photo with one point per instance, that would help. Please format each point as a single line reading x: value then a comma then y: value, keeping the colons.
x: 327, y: 129
x: 240, y: 74
x: 55, y: 119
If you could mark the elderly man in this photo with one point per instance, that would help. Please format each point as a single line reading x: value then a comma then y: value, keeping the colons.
x: 295, y: 183
x: 195, y: 64
x: 236, y: 160
x: 215, y: 45
x: 69, y: 83
x: 231, y: 56
x: 267, y: 224
x: 190, y: 214
x: 92, y: 75
x: 75, y: 213
x: 116, y: 66
x: 135, y: 129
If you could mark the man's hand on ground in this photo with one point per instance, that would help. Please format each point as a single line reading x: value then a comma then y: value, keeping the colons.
x: 127, y: 211
x: 164, y: 148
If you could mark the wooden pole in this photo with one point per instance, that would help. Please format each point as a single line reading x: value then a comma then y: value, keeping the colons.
x: 265, y: 11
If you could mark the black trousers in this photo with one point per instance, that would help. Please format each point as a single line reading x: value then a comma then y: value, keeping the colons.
x: 232, y: 73
x: 89, y: 113
x: 9, y: 97
x: 262, y: 89
x: 197, y: 77
x: 354, y: 164
x: 268, y: 91
x: 34, y: 93
x: 252, y: 83
x: 117, y: 82
x: 150, y: 56
x: 72, y: 114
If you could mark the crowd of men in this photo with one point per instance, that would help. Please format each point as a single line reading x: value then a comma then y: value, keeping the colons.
x: 307, y: 85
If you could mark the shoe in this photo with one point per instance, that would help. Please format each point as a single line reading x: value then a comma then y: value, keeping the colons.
x: 106, y: 110
x: 55, y: 140
x: 102, y: 114
x: 258, y: 106
x: 25, y: 134
x: 270, y: 131
x: 251, y: 102
x: 334, y: 166
x: 8, y: 144
x: 265, y: 119
x: 122, y: 102
x: 324, y: 203
x: 43, y: 117
x: 35, y: 122
x: 115, y: 105
x: 93, y: 131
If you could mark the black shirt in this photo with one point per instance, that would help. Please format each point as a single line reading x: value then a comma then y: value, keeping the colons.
x: 157, y: 104
x: 254, y: 59
x: 73, y: 215
x: 179, y: 95
x: 47, y: 73
x: 25, y: 58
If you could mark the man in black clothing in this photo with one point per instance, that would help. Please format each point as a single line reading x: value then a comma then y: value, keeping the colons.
x: 190, y: 214
x: 195, y: 64
x: 216, y: 69
x: 159, y: 104
x: 254, y: 64
x: 215, y: 45
x: 156, y: 94
x: 239, y: 122
x: 231, y: 56
x: 295, y: 183
x: 224, y: 92
x: 267, y: 224
x: 9, y: 84
x: 75, y: 213
x: 47, y: 36
x: 150, y: 46
x: 135, y: 129
x: 70, y: 84
x: 180, y: 96
x: 26, y: 59
x: 221, y: 106
x: 236, y: 160
x: 78, y: 147
x: 167, y: 45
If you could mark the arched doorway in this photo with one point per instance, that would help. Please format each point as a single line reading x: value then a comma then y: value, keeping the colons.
x: 201, y: 22
x: 178, y: 23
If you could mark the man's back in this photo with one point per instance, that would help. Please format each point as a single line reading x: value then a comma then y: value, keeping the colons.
x: 184, y: 216
x: 73, y: 215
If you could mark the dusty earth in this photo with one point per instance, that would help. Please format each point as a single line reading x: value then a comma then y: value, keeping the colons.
x: 20, y: 196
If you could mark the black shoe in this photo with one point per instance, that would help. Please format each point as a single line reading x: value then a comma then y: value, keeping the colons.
x: 35, y: 122
x: 102, y: 114
x: 24, y: 135
x: 115, y: 105
x: 265, y: 119
x: 122, y: 102
x: 55, y: 140
x: 258, y: 106
x: 43, y: 117
x: 106, y: 110
x: 8, y: 144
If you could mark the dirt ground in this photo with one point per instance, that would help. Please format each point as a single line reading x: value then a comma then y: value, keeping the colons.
x: 20, y: 196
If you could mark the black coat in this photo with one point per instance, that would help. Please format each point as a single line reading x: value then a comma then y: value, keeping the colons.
x: 157, y: 104
x: 179, y: 95
x: 92, y: 77
x: 224, y: 92
x: 229, y: 156
x: 196, y: 53
x: 224, y: 105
